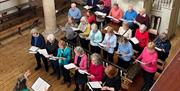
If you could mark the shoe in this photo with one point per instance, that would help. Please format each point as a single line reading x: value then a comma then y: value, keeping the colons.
x: 38, y: 67
x: 58, y: 78
x: 68, y: 84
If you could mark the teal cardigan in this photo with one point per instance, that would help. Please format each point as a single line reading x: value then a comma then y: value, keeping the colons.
x: 65, y: 53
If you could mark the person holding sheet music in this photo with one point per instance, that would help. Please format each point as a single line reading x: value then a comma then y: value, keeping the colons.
x: 64, y: 54
x: 91, y: 17
x: 116, y: 12
x: 107, y: 4
x: 80, y: 60
x: 96, y: 68
x: 142, y: 18
x: 125, y: 31
x: 51, y: 47
x: 101, y: 19
x: 111, y: 80
x: 95, y: 38
x: 143, y: 38
x: 130, y: 16
x: 70, y: 34
x: 84, y: 27
x: 21, y: 84
x: 109, y: 41
x: 37, y: 40
x: 125, y: 52
x: 148, y: 60
x: 163, y: 46
x: 74, y: 12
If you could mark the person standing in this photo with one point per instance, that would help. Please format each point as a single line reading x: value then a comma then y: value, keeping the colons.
x: 37, y: 40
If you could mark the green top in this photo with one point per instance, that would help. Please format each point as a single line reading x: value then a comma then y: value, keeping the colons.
x: 26, y: 89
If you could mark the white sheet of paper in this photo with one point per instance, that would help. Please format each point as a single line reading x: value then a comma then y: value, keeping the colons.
x: 134, y: 40
x: 75, y: 29
x: 94, y: 84
x: 100, y: 13
x: 126, y: 20
x: 87, y: 7
x: 32, y: 52
x: 158, y: 49
x: 101, y: 44
x: 83, y: 72
x: 54, y: 58
x: 33, y: 48
x: 43, y: 52
x: 70, y: 66
x: 112, y: 18
x: 40, y: 85
x: 142, y: 62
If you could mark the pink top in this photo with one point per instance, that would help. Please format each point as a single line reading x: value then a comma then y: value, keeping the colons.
x: 118, y: 14
x: 97, y: 71
x: 107, y: 3
x: 83, y: 63
x: 150, y: 58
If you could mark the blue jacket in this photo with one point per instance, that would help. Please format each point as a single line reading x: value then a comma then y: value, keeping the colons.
x: 65, y: 53
x: 38, y: 41
x: 130, y: 16
x: 166, y: 45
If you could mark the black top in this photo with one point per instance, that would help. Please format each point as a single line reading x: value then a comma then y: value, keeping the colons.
x: 114, y: 82
x: 78, y: 61
x: 52, y: 47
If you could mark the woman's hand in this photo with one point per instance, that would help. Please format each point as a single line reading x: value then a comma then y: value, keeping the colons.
x: 135, y: 61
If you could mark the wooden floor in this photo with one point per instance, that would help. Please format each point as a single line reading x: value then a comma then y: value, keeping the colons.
x: 14, y: 59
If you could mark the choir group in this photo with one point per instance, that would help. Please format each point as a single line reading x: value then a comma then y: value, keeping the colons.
x: 95, y: 31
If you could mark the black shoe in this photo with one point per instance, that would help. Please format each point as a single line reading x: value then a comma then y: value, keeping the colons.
x: 58, y: 78
x: 38, y: 67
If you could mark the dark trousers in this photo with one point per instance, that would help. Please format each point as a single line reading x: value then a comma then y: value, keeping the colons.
x: 65, y: 74
x: 123, y: 64
x: 148, y: 80
x: 95, y: 49
x: 38, y: 60
x: 108, y: 56
x: 161, y: 55
x: 137, y: 48
x: 84, y: 43
x: 55, y: 67
x: 99, y: 24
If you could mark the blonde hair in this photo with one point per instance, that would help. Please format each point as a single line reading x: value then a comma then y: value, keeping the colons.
x: 97, y: 57
x: 110, y: 30
x: 151, y: 45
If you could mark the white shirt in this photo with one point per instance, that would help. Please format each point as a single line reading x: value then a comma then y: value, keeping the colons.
x: 127, y: 33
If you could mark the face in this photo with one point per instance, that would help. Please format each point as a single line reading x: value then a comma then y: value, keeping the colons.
x: 35, y: 34
x: 115, y: 7
x: 69, y: 20
x: 93, y: 60
x: 61, y: 46
x: 130, y: 8
x: 141, y: 12
x: 125, y: 26
x: 73, y: 6
x: 83, y: 21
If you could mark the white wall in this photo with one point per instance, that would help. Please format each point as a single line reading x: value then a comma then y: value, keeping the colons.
x: 11, y: 3
x: 124, y: 4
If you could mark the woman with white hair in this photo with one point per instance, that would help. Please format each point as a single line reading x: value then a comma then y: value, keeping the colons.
x: 143, y: 38
x: 125, y: 31
x: 95, y: 38
x: 52, y: 47
x: 163, y: 46
x: 84, y: 27
x: 80, y: 60
x: 38, y: 41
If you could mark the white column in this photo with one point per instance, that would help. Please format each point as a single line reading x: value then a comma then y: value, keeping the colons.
x: 49, y: 16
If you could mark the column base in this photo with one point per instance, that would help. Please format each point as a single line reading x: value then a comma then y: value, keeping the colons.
x: 47, y: 32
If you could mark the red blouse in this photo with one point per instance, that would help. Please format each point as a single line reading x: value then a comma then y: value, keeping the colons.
x: 142, y: 37
x: 97, y: 71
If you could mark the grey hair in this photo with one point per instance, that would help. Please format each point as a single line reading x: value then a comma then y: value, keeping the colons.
x: 94, y: 27
x: 98, y: 59
x: 51, y: 37
x: 80, y: 50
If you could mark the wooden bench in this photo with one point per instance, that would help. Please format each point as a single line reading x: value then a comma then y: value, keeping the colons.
x: 19, y: 28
